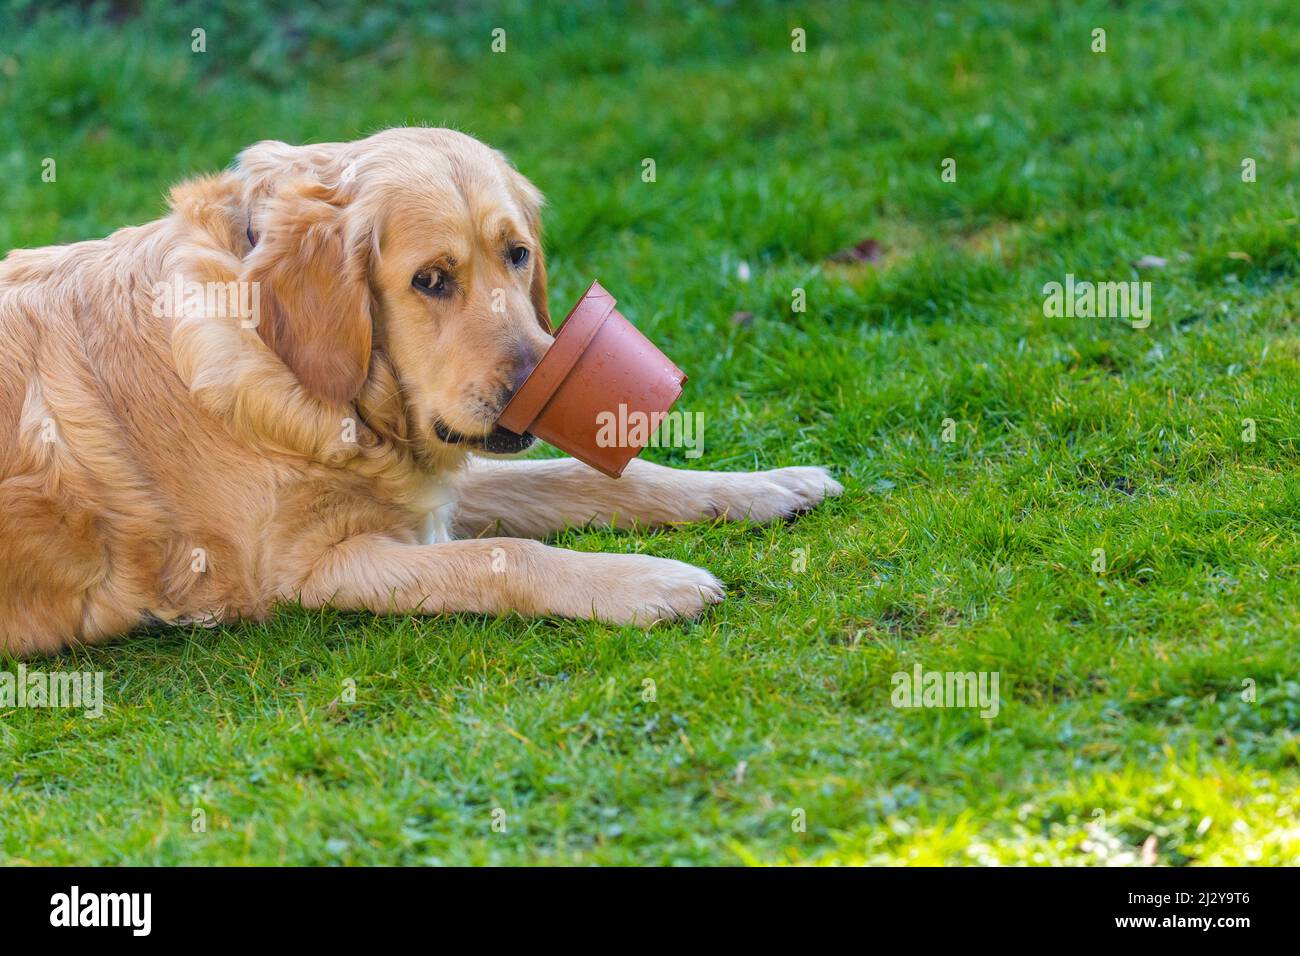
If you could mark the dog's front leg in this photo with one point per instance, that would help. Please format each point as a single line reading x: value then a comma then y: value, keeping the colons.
x: 536, y: 498
x: 500, y: 575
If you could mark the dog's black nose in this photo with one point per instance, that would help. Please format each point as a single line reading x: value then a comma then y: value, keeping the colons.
x: 523, y: 369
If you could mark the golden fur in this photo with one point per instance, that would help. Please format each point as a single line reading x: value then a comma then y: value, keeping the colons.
x: 192, y: 463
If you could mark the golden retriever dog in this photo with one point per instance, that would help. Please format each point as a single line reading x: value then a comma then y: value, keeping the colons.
x: 286, y: 390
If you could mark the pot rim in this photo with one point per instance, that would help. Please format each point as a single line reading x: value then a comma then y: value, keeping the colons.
x: 532, y: 397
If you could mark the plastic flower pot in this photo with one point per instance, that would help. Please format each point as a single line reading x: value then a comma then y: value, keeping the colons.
x: 601, y: 389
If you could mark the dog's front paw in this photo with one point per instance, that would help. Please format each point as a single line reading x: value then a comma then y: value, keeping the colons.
x: 764, y: 496
x: 642, y: 590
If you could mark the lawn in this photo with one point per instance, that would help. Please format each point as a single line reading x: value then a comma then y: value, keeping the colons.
x: 1104, y: 516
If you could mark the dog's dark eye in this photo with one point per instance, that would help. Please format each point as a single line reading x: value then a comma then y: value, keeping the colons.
x: 430, y: 281
x: 518, y: 255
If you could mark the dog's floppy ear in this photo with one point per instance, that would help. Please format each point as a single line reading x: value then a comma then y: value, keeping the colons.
x: 530, y: 200
x: 310, y: 270
x: 537, y: 288
x: 265, y: 165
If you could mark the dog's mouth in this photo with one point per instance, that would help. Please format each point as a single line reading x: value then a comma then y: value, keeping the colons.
x: 497, y: 442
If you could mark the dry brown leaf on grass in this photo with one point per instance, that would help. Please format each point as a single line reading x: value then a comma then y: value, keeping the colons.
x: 868, y: 250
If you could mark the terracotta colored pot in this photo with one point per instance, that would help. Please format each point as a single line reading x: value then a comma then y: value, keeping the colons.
x: 596, y: 387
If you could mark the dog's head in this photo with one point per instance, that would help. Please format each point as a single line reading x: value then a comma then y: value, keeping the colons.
x: 403, y: 272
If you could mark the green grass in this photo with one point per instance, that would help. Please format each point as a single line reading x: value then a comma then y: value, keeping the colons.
x: 1121, y: 691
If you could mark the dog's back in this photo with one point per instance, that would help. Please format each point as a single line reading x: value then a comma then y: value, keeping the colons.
x: 113, y: 484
